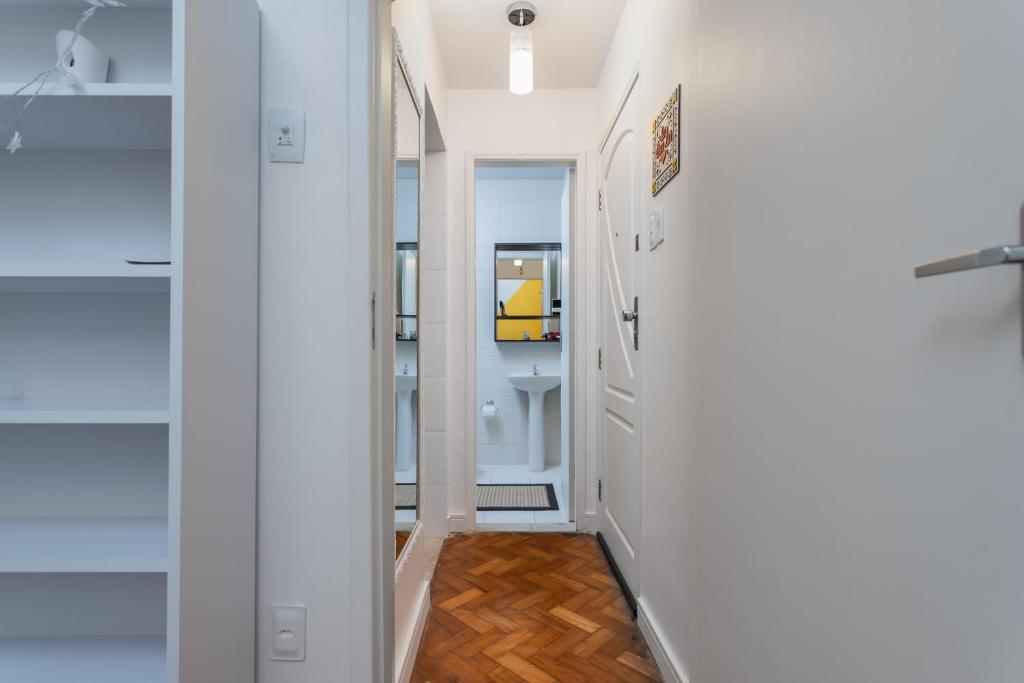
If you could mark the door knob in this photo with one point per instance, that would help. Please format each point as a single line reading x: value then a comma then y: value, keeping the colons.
x: 634, y: 317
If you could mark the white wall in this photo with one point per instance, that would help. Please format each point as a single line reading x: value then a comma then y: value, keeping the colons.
x: 315, y: 472
x: 654, y: 35
x: 513, y: 209
x: 546, y: 122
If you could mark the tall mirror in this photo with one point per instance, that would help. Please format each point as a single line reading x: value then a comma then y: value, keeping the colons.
x: 407, y: 286
x: 527, y: 292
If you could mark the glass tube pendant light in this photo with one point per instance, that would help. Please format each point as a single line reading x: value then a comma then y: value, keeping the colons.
x: 520, y: 53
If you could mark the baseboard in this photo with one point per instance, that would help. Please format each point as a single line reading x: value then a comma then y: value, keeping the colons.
x: 671, y: 669
x: 458, y: 524
x: 412, y: 648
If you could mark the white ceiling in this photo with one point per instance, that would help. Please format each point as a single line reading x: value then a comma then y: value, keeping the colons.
x: 570, y: 41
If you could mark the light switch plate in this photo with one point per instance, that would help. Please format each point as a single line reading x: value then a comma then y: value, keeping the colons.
x: 288, y: 640
x: 286, y: 134
x: 655, y: 228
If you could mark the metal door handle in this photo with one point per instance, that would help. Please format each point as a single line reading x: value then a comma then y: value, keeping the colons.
x: 634, y: 317
x: 994, y: 256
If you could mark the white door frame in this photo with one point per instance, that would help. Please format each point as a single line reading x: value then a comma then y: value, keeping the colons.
x: 579, y: 370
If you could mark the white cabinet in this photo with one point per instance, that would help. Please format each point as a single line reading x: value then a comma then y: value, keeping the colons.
x: 128, y: 392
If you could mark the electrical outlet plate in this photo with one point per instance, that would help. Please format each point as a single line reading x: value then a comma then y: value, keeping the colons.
x: 655, y: 228
x: 288, y: 639
x: 286, y: 134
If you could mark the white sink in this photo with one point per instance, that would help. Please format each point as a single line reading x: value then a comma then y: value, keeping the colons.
x: 536, y: 386
x: 405, y: 427
x: 530, y: 383
x: 405, y: 382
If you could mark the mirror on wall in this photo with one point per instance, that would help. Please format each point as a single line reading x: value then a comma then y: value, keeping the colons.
x: 527, y: 292
x: 406, y: 292
x: 407, y: 224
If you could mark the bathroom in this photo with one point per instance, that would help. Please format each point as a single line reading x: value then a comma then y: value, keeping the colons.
x: 523, y: 224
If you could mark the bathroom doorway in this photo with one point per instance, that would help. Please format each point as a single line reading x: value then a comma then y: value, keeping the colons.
x: 522, y: 380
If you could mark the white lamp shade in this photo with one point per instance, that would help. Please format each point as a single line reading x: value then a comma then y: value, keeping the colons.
x: 520, y: 62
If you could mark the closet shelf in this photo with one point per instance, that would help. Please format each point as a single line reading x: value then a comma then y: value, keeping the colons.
x: 78, y: 4
x: 99, y: 116
x: 104, y: 90
x: 83, y: 270
x: 82, y: 411
x: 124, y: 277
x: 83, y: 545
x: 123, y: 659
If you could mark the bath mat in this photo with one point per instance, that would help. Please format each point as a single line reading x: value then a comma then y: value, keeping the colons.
x: 502, y: 497
x: 405, y: 496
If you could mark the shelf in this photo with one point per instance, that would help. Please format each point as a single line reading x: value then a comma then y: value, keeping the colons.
x: 81, y: 411
x: 78, y: 4
x: 88, y: 660
x: 81, y: 4
x: 62, y: 545
x: 84, y: 278
x: 98, y: 116
x: 100, y: 90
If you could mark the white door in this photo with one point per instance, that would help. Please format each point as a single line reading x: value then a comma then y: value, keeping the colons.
x: 621, y: 275
x: 859, y: 507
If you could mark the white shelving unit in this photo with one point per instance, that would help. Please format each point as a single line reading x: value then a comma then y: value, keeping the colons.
x: 127, y: 391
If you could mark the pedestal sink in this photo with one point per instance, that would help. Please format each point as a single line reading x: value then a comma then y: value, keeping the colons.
x: 405, y: 429
x: 536, y: 386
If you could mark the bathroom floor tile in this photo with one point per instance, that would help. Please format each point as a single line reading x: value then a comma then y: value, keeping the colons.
x: 509, y: 474
x: 509, y: 517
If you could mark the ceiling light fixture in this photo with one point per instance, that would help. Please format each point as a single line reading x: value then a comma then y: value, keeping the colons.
x: 520, y: 52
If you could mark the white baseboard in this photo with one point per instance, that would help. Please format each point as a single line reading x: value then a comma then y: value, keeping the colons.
x: 412, y: 648
x: 458, y: 524
x: 671, y: 670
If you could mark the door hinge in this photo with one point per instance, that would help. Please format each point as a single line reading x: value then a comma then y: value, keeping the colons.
x: 636, y: 242
x: 600, y: 200
x: 600, y: 360
x: 373, y: 320
x: 599, y: 493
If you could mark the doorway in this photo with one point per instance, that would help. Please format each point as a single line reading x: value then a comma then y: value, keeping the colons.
x: 520, y: 369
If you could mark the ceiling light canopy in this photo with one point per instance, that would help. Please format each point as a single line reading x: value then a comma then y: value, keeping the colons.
x: 520, y: 53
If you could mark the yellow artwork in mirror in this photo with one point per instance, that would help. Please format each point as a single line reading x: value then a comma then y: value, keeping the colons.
x: 526, y: 299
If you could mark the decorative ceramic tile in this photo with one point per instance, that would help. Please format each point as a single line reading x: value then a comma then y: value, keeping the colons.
x: 665, y: 147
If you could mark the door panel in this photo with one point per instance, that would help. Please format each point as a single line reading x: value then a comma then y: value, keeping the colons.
x: 622, y: 461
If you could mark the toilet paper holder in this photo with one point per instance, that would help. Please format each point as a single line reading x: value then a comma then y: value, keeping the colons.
x: 488, y: 410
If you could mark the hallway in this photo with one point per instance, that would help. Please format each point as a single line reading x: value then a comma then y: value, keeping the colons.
x: 513, y: 607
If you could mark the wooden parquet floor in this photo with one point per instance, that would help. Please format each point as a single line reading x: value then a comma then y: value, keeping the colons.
x: 539, y: 608
x: 401, y: 538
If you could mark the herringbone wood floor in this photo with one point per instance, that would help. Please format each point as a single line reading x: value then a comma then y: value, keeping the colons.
x: 539, y: 608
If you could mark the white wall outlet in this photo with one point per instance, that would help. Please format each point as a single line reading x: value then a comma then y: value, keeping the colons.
x: 655, y: 228
x: 288, y: 640
x: 286, y: 134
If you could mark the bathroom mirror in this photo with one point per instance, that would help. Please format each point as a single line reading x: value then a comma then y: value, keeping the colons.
x: 527, y: 292
x: 407, y: 116
x: 406, y: 291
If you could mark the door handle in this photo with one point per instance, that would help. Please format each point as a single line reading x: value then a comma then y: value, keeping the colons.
x: 994, y: 256
x: 634, y: 317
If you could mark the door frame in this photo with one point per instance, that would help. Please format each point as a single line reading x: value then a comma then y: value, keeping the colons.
x: 633, y: 88
x: 579, y: 273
